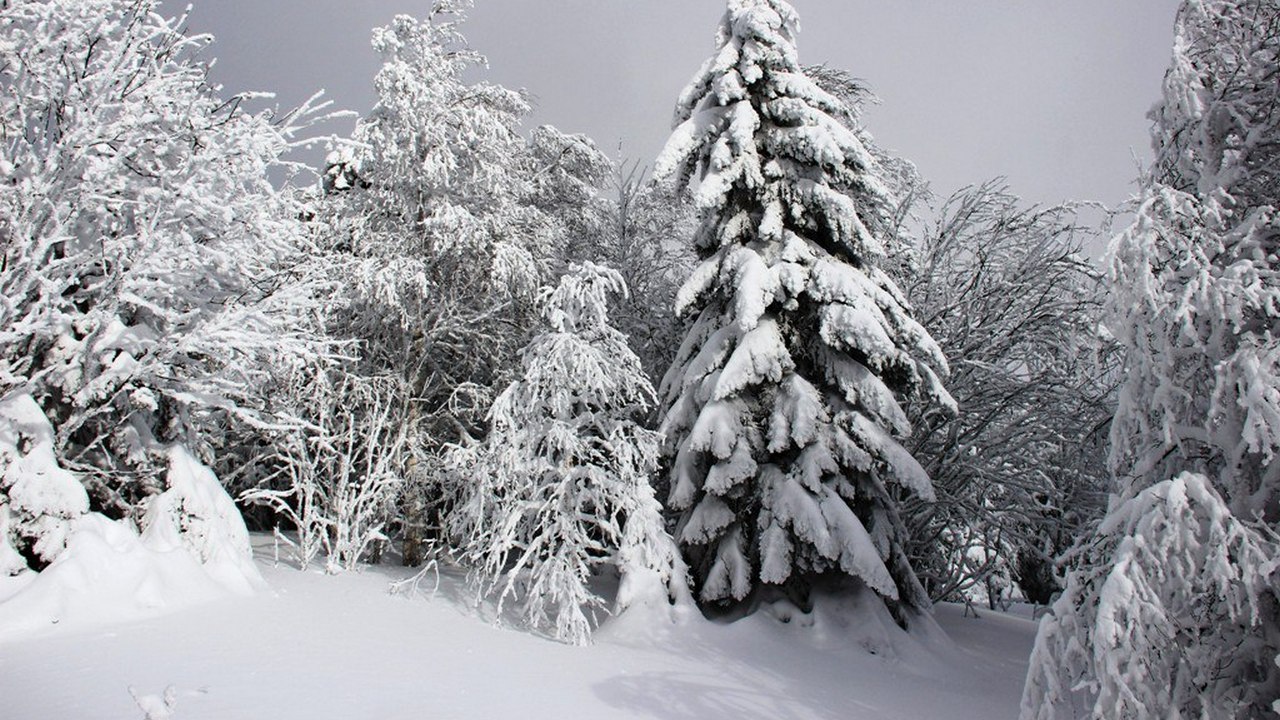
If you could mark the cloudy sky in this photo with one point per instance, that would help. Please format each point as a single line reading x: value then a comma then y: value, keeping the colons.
x: 1050, y: 94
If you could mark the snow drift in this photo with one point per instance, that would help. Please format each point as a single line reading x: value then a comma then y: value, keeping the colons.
x: 193, y: 546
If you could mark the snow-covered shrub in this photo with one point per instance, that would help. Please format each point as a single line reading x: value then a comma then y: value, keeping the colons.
x: 11, y: 561
x: 196, y: 513
x: 39, y: 500
x: 1162, y: 616
x: 560, y: 487
x: 783, y: 412
x: 1011, y: 300
x: 146, y: 301
x: 340, y: 473
x: 194, y: 546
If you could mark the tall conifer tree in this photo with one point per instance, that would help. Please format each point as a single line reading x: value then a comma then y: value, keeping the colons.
x: 783, y: 413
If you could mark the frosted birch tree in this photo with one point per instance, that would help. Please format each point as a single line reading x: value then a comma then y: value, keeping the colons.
x: 1185, y: 559
x: 784, y: 415
x: 441, y: 220
x: 422, y: 215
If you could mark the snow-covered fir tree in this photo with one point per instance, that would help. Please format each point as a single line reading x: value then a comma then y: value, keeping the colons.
x: 783, y: 406
x: 560, y: 487
x: 1196, y: 306
x: 147, y: 301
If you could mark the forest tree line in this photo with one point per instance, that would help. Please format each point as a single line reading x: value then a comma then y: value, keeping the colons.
x: 770, y: 363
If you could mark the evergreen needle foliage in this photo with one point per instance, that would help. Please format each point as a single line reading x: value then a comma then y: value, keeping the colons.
x: 783, y: 417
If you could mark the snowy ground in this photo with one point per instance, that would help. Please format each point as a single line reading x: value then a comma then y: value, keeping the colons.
x: 317, y: 647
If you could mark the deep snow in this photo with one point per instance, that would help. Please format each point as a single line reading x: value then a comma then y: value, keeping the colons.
x: 316, y: 646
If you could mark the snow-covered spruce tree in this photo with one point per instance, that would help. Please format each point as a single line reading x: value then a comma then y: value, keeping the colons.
x: 783, y: 415
x: 1196, y: 306
x: 560, y: 487
x: 146, y: 302
x: 443, y: 216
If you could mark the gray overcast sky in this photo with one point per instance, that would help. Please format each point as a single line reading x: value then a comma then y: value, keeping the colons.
x: 1051, y: 94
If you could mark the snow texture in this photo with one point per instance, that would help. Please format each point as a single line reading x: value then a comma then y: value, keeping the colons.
x: 845, y: 658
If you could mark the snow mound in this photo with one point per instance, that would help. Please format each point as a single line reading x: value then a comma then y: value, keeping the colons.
x: 649, y: 606
x: 847, y: 616
x: 196, y: 513
x: 39, y: 500
x: 194, y: 550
